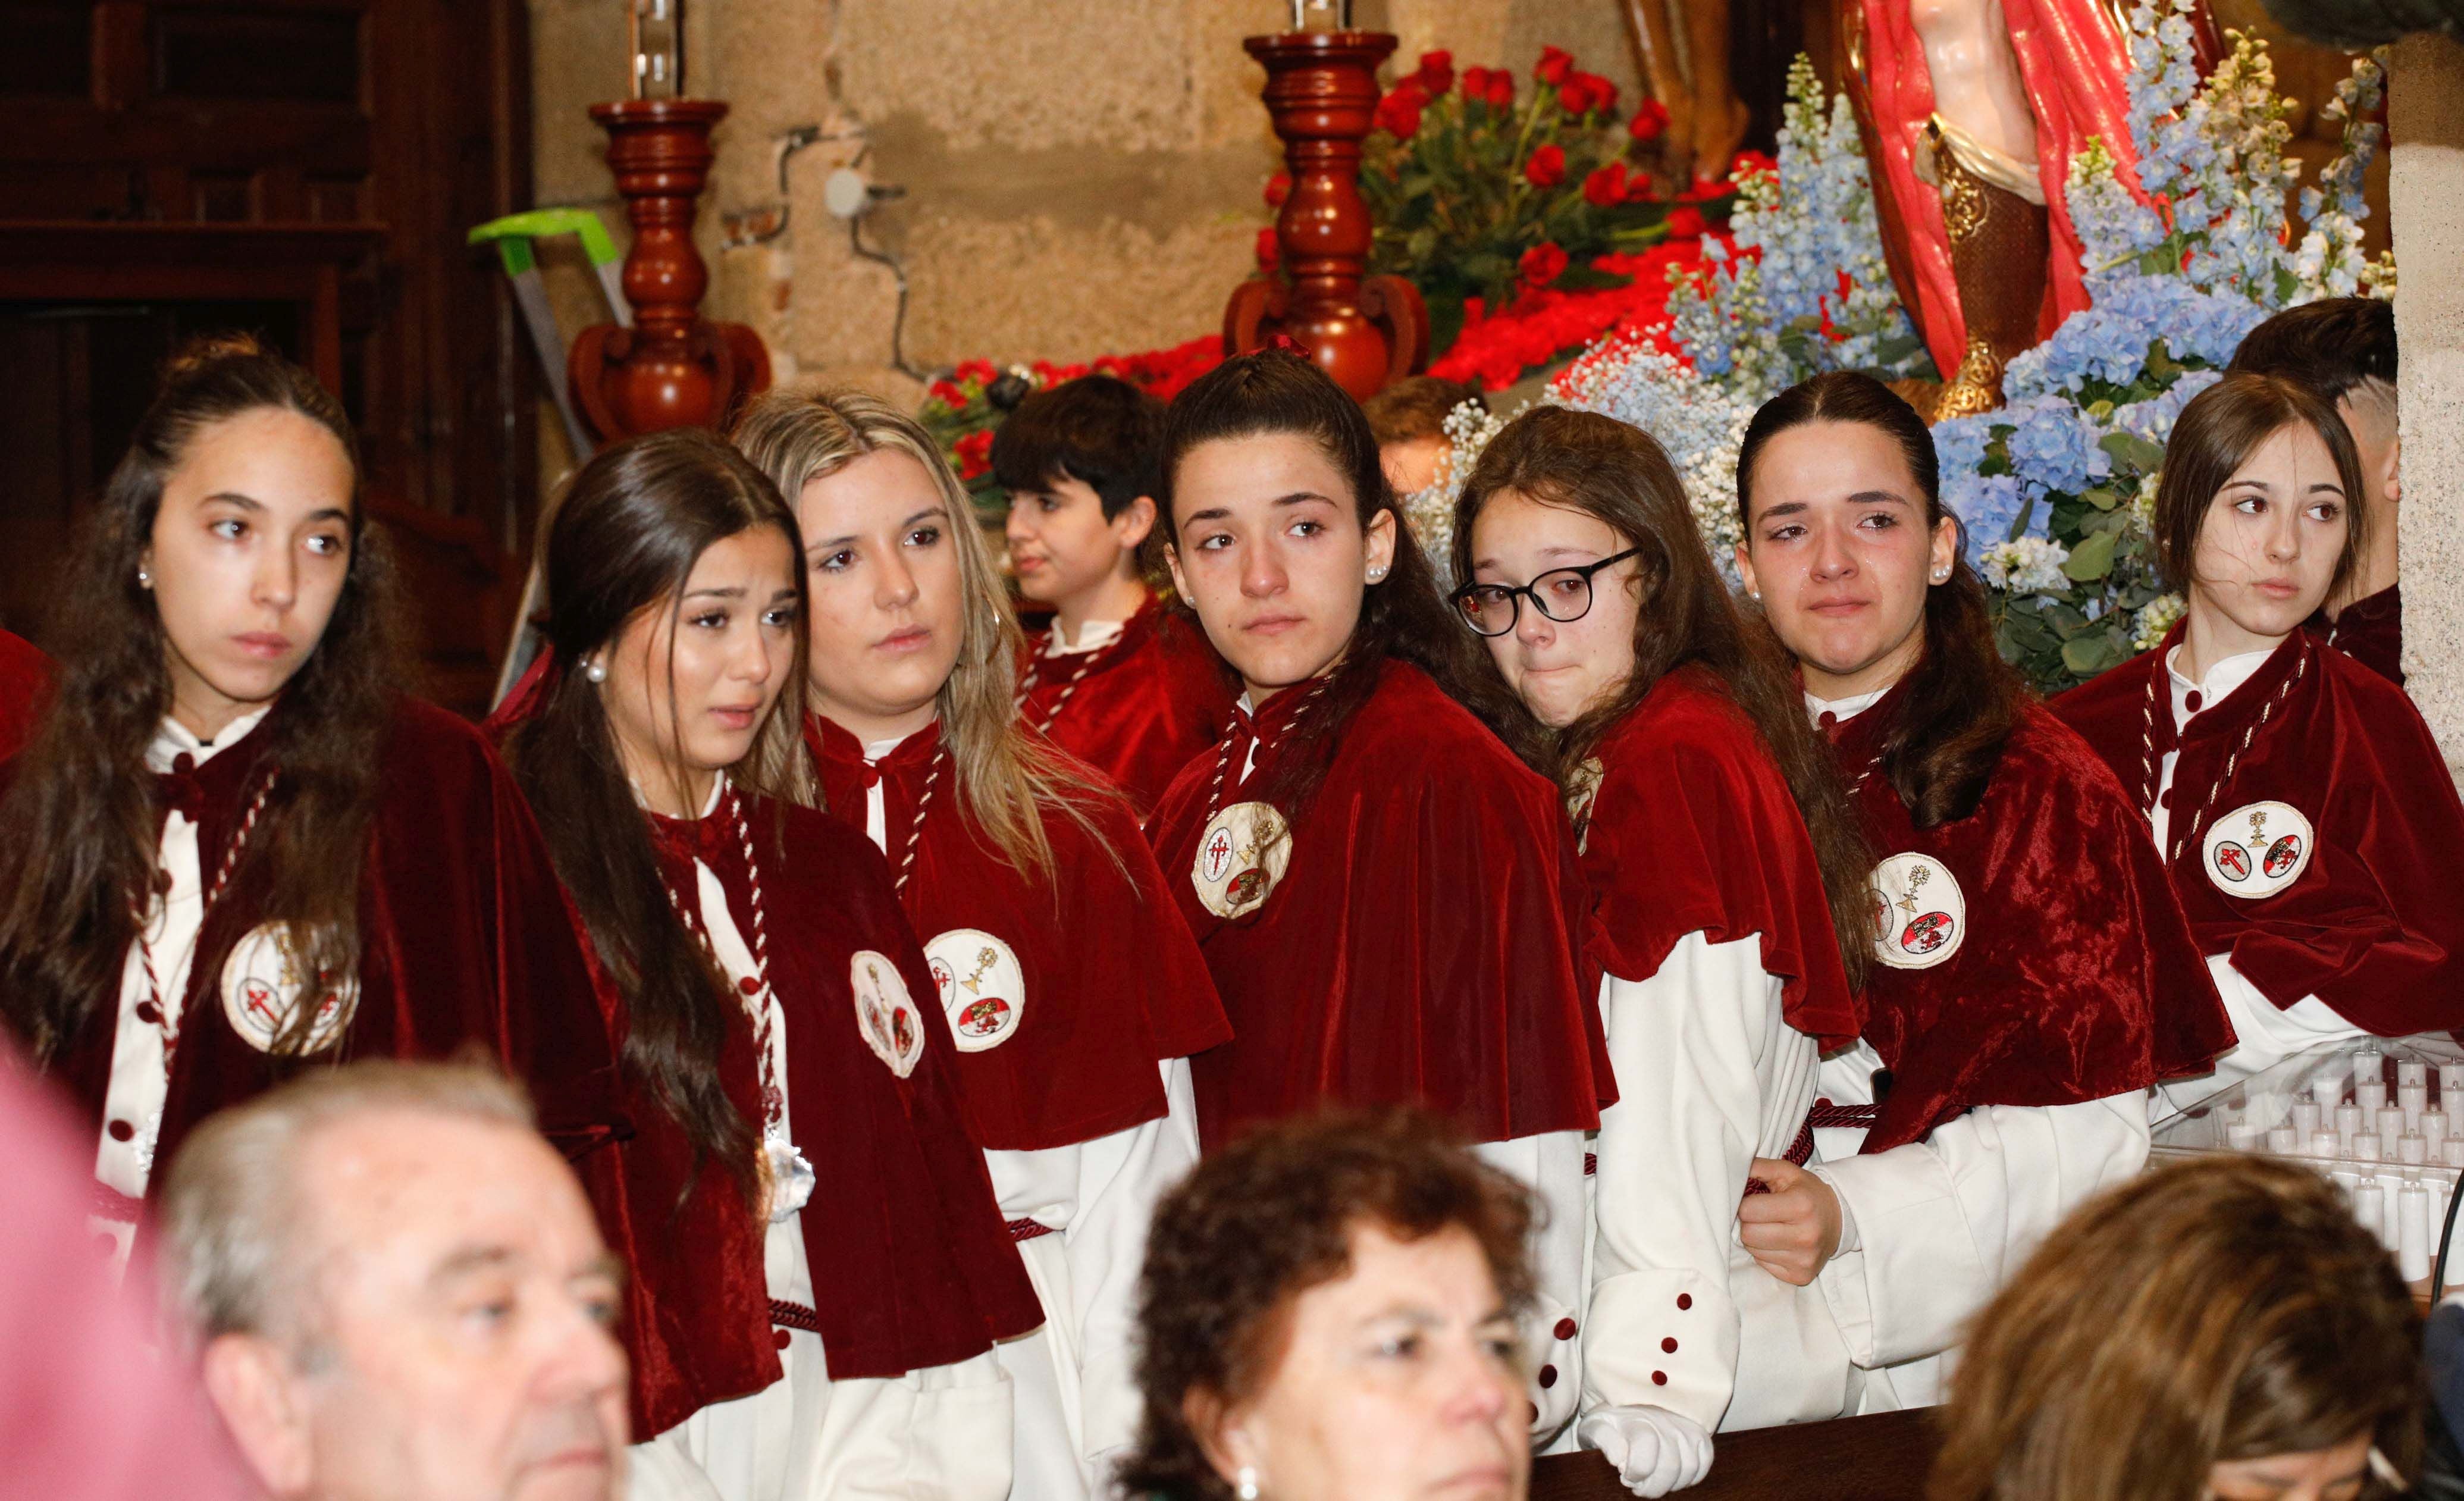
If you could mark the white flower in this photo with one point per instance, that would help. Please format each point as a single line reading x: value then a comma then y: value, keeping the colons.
x: 2026, y: 565
x: 2156, y: 619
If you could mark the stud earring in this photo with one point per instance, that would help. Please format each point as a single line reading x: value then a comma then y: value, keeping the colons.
x: 1245, y: 1485
x: 1941, y: 575
x: 144, y: 579
x: 1375, y: 574
x: 596, y: 672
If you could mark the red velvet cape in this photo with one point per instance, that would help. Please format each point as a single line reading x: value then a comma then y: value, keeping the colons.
x: 912, y: 1266
x: 1114, y: 982
x: 464, y: 931
x: 1147, y: 704
x: 2078, y: 978
x: 2373, y: 927
x: 25, y: 678
x: 1693, y: 830
x: 2371, y: 630
x: 1418, y: 949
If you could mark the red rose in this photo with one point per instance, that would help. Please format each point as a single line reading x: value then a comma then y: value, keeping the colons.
x: 1542, y: 264
x: 1553, y: 66
x: 1575, y: 98
x: 1398, y: 113
x: 1475, y: 82
x: 975, y: 454
x: 1546, y: 168
x: 1278, y: 189
x: 1501, y: 89
x: 1606, y: 186
x: 979, y: 371
x: 1598, y: 92
x: 1437, y: 72
x: 1650, y: 121
x: 946, y: 394
x: 1270, y: 250
x: 1686, y: 223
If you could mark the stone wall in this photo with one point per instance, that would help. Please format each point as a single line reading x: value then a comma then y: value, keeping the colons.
x: 1080, y: 178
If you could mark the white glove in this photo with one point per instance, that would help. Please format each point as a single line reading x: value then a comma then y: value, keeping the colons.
x: 1656, y: 1452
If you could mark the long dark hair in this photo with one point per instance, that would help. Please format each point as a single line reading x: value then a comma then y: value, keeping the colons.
x: 78, y: 825
x: 1585, y: 462
x: 624, y: 539
x: 1402, y: 618
x: 1962, y: 700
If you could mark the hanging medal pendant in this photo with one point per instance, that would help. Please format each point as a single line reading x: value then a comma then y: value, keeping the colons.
x: 1241, y: 859
x: 786, y: 1178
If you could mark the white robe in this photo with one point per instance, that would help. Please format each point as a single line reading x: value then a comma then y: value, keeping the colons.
x: 942, y: 1433
x: 1709, y: 1076
x: 134, y: 1091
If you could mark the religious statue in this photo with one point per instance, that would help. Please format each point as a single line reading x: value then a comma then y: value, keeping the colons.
x: 1683, y: 47
x: 1972, y: 111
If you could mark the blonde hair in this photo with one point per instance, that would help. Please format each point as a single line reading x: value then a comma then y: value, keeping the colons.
x: 1005, y: 778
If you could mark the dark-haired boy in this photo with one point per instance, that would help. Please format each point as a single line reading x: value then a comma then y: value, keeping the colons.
x: 2344, y: 348
x: 1115, y: 680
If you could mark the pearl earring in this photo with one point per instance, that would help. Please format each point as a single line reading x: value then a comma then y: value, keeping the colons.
x: 144, y: 579
x: 1941, y: 574
x: 1375, y: 574
x: 1246, y: 1486
x: 596, y: 672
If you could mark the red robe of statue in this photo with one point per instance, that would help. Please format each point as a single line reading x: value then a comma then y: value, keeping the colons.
x: 2032, y: 953
x: 2076, y: 66
x: 2371, y: 630
x: 25, y: 677
x: 1407, y: 942
x: 911, y: 1265
x: 1065, y: 996
x: 2327, y: 861
x: 1136, y: 710
x: 1685, y: 784
x: 465, y: 938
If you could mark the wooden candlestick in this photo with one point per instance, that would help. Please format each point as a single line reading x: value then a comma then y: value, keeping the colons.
x: 673, y: 369
x: 1366, y: 332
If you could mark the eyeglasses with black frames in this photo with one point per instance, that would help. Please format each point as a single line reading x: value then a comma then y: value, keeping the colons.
x: 1563, y: 595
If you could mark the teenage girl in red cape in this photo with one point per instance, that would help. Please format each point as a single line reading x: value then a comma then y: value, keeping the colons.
x: 1717, y: 848
x: 234, y: 850
x: 2032, y: 973
x: 2308, y: 820
x: 819, y: 1273
x: 1380, y: 886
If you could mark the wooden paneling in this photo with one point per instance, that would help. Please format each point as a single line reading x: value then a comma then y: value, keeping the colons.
x: 324, y: 156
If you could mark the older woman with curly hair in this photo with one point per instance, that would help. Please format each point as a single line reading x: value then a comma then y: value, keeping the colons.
x: 1328, y: 1313
x: 2218, y: 1331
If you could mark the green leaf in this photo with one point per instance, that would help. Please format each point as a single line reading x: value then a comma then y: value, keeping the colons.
x: 1590, y: 278
x: 2087, y: 655
x: 2100, y: 498
x: 1446, y: 323
x: 2091, y: 558
x: 2129, y: 448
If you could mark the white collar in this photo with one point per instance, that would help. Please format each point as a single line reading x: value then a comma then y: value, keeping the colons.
x: 1844, y: 710
x: 172, y: 740
x: 1093, y: 635
x: 875, y: 750
x: 2223, y: 676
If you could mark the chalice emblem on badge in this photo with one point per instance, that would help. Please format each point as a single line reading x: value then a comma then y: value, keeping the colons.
x: 2258, y: 849
x: 1241, y: 856
x: 1919, y: 913
x: 984, y: 989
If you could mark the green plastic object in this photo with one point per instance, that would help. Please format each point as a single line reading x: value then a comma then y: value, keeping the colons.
x: 512, y: 234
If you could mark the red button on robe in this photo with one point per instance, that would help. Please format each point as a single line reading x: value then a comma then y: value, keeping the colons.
x: 2374, y: 925
x: 1136, y: 710
x: 25, y: 677
x: 911, y: 1265
x: 1417, y: 948
x: 465, y: 937
x: 2076, y: 977
x: 1112, y: 983
x: 1695, y: 830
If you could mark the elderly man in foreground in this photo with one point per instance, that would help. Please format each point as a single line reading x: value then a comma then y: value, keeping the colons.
x: 398, y: 1293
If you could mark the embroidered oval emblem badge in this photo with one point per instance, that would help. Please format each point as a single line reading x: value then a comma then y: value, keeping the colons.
x: 1919, y: 913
